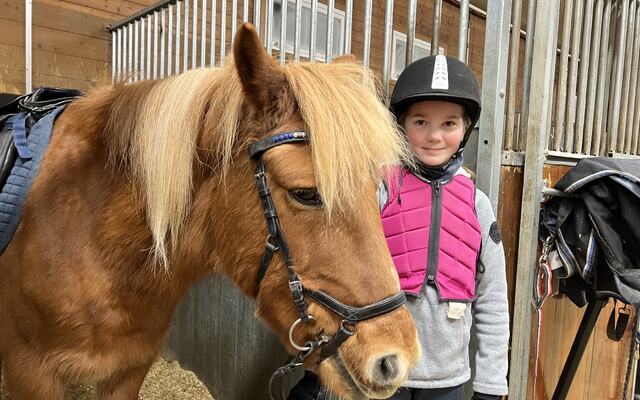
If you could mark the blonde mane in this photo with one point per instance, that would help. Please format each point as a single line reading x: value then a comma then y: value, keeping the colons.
x: 352, y: 133
x: 352, y: 136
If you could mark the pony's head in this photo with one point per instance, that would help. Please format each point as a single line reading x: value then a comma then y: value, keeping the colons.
x: 200, y: 186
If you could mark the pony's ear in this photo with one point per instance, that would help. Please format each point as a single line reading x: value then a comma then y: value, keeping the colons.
x: 345, y: 58
x: 259, y: 73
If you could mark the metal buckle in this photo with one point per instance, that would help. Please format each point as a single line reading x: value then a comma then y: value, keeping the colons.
x: 293, y: 327
x: 272, y: 247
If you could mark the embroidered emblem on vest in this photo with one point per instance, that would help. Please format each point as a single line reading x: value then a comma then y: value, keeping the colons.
x: 494, y: 232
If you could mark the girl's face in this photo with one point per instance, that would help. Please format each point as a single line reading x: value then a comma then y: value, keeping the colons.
x: 435, y: 130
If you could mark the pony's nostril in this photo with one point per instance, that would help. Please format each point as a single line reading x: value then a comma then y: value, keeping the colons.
x: 386, y: 368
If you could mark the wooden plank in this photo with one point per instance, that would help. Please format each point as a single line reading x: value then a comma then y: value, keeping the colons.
x: 115, y: 9
x: 509, y: 220
x: 59, y: 65
x: 57, y: 41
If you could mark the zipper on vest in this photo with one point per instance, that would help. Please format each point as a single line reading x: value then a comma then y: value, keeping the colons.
x: 434, y: 231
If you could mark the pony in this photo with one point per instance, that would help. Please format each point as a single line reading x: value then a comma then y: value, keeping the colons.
x: 148, y: 187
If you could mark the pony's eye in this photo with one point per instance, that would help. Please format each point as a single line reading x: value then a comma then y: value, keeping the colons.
x: 307, y: 196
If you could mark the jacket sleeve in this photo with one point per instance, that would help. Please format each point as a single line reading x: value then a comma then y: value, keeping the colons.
x: 491, y: 308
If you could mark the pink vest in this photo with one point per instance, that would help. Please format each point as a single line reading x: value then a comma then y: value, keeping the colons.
x: 413, y: 208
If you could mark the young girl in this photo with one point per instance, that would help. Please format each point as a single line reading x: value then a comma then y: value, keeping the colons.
x: 444, y: 239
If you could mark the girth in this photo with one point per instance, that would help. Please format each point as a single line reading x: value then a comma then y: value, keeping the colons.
x: 328, y: 345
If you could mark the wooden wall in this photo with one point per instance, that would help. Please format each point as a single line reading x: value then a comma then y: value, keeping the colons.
x: 70, y: 45
x: 72, y: 49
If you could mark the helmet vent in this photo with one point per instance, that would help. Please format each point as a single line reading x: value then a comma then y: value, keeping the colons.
x: 440, y: 78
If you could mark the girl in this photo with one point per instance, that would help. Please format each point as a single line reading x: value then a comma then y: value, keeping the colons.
x: 444, y: 239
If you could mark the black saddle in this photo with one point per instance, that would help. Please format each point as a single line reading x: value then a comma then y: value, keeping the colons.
x: 36, y: 104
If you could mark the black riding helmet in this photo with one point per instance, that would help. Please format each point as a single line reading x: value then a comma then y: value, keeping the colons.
x: 438, y: 78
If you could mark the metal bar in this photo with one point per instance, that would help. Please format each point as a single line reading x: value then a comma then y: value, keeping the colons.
x: 594, y: 70
x: 622, y: 40
x: 625, y: 139
x: 234, y: 18
x: 194, y: 35
x: 155, y: 45
x: 634, y: 117
x: 123, y: 70
x: 149, y: 34
x: 494, y: 79
x: 163, y: 32
x: 114, y: 50
x: 583, y: 73
x: 611, y: 77
x: 526, y: 77
x: 185, y: 65
x: 435, y: 35
x: 119, y: 62
x: 178, y: 37
x: 296, y: 31
x: 348, y: 26
x: 514, y: 51
x: 463, y: 34
x: 130, y: 52
x: 212, y: 35
x: 412, y: 6
x: 223, y: 29
x: 561, y: 103
x: 328, y: 55
x: 366, y: 57
x: 570, y: 118
x: 245, y: 10
x: 388, y: 35
x: 145, y: 12
x: 136, y: 41
x: 170, y: 44
x: 143, y: 47
x: 268, y: 37
x: 538, y: 124
x: 118, y: 54
x: 283, y: 31
x: 588, y: 322
x: 203, y: 35
x: 602, y: 79
x: 256, y: 14
x: 314, y: 29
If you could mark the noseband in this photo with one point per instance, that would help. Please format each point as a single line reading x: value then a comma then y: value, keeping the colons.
x: 327, y: 345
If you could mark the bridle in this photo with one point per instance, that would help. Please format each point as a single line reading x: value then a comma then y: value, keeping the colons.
x: 327, y: 345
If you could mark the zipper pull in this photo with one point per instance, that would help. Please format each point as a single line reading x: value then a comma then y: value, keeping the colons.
x: 436, y: 188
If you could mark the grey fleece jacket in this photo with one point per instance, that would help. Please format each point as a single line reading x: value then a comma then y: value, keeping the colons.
x: 445, y: 341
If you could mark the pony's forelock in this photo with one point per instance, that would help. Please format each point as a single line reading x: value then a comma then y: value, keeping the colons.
x: 352, y: 136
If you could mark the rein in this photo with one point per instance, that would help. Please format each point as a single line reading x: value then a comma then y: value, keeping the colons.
x: 327, y: 345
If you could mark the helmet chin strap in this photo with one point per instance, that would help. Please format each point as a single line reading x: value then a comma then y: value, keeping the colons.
x: 442, y: 172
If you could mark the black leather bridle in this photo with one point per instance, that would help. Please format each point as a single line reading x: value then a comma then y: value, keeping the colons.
x: 327, y: 345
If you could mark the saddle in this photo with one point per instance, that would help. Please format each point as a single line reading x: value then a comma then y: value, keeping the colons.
x: 35, y: 105
x: 25, y: 130
x: 595, y: 228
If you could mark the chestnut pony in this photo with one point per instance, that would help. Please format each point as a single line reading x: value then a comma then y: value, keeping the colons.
x: 148, y: 187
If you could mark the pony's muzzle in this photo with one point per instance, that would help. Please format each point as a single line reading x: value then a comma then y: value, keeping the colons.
x: 384, y: 373
x: 386, y: 370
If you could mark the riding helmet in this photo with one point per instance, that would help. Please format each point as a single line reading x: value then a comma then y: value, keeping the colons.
x: 438, y: 78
